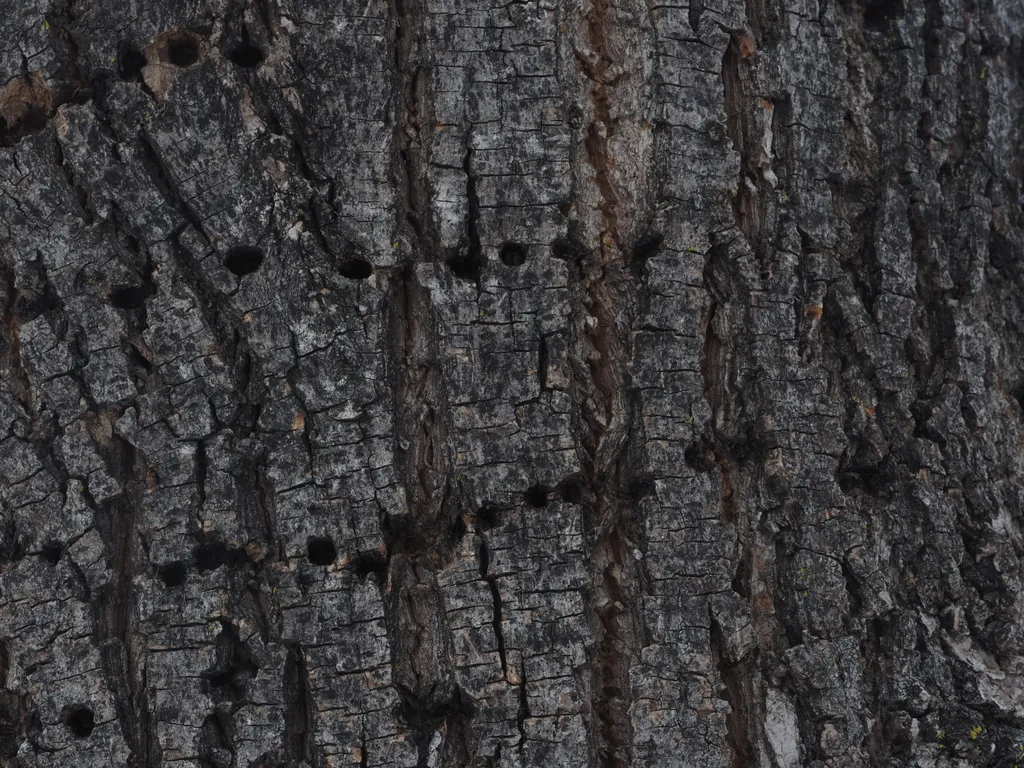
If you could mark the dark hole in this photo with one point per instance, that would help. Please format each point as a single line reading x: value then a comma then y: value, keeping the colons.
x: 457, y: 529
x: 644, y: 250
x: 571, y: 490
x: 741, y: 579
x: 879, y: 12
x: 321, y: 551
x: 356, y: 269
x: 80, y: 721
x: 183, y: 51
x: 849, y: 482
x: 138, y: 359
x: 172, y: 574
x: 920, y: 642
x: 52, y: 552
x: 34, y: 120
x: 1018, y: 395
x: 402, y: 536
x: 235, y: 665
x: 568, y: 250
x: 371, y: 563
x: 82, y: 96
x: 32, y: 304
x: 512, y: 254
x: 488, y: 516
x: 130, y: 61
x: 210, y: 557
x: 466, y: 266
x: 853, y: 588
x: 246, y: 55
x: 128, y: 296
x: 243, y: 260
x: 537, y: 496
x: 640, y: 488
x: 697, y: 456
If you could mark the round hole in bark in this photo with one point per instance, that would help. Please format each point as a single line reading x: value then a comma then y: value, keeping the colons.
x: 568, y: 249
x: 571, y: 490
x: 640, y: 488
x: 878, y: 13
x: 457, y: 529
x: 128, y: 297
x: 489, y: 515
x: 243, y: 260
x: 183, y: 50
x: 699, y: 456
x: 80, y: 721
x: 356, y: 269
x: 245, y: 55
x: 371, y: 563
x: 212, y: 555
x: 52, y: 552
x: 467, y: 266
x: 644, y: 250
x: 321, y: 550
x: 537, y: 496
x: 512, y: 254
x: 172, y: 574
x: 130, y: 61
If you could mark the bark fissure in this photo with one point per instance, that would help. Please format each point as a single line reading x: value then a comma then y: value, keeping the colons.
x: 300, y: 723
x: 607, y: 292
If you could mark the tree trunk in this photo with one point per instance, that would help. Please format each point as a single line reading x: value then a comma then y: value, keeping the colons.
x: 576, y: 383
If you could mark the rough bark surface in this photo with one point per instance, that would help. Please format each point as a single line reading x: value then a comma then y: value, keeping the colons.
x: 543, y: 383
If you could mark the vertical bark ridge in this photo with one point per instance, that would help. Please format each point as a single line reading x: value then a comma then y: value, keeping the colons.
x: 611, y: 225
x: 421, y: 539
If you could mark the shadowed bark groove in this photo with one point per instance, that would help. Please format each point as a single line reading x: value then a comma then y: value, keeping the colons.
x: 607, y: 294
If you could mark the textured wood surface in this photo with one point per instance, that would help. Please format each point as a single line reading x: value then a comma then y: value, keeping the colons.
x: 543, y: 383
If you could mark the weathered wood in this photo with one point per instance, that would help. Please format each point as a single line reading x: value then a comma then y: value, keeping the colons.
x: 579, y: 383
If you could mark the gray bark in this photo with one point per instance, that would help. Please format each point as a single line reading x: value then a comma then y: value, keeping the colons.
x: 550, y: 383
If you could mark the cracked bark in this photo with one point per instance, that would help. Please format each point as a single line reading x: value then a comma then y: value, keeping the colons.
x: 598, y: 383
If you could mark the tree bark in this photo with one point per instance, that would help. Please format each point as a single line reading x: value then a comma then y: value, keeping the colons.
x: 564, y: 383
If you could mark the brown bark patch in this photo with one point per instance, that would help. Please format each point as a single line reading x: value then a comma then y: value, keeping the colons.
x: 25, y: 106
x: 168, y: 54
